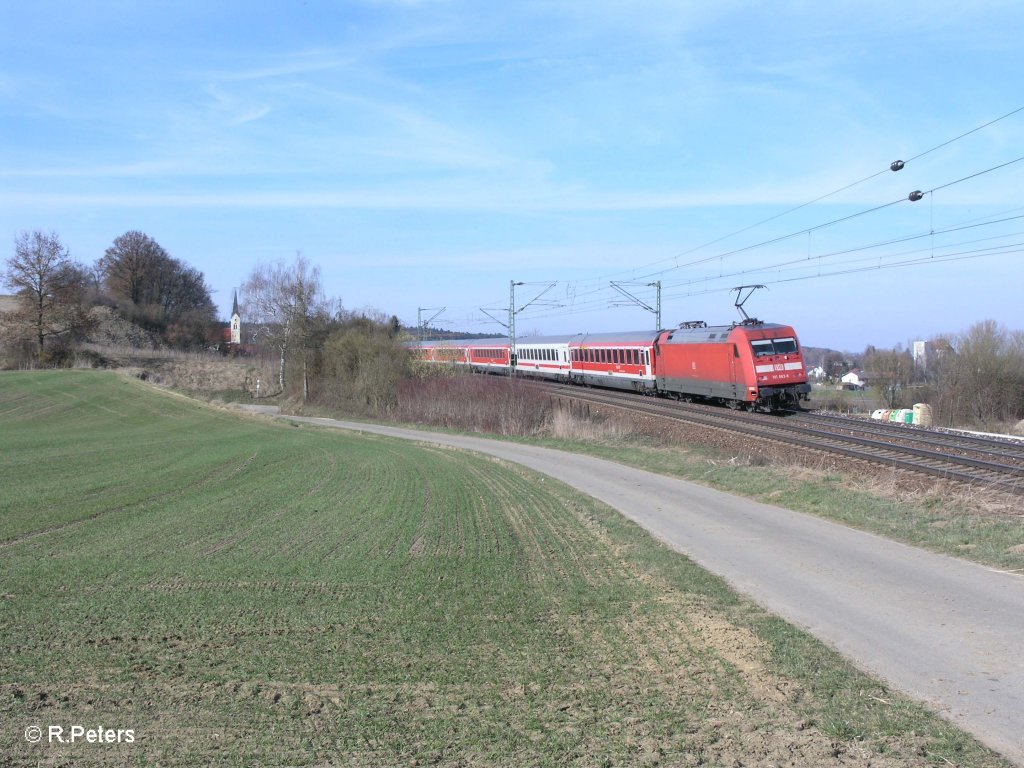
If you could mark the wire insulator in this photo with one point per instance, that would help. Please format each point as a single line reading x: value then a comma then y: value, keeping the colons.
x: 916, y: 195
x: 896, y: 165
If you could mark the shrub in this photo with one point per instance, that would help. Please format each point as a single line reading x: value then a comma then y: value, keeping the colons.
x: 455, y: 399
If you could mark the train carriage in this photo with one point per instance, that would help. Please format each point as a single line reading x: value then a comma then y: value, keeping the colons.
x: 484, y: 355
x: 453, y: 351
x: 545, y: 357
x: 617, y: 360
x: 488, y: 355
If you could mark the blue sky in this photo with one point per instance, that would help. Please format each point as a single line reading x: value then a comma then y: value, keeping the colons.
x: 425, y: 154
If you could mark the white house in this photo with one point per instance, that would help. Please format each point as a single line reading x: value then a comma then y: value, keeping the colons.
x: 855, y: 379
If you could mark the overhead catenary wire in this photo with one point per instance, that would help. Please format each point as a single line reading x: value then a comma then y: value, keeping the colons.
x: 893, y: 166
x: 596, y: 298
x: 603, y: 301
x: 840, y: 220
x: 782, y: 238
x: 805, y: 260
x: 842, y: 269
x: 801, y: 263
x: 965, y: 135
x: 818, y: 227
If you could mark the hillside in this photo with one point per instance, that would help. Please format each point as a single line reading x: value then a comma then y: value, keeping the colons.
x: 233, y: 592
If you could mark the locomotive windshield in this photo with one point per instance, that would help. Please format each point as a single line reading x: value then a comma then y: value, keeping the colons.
x: 765, y: 347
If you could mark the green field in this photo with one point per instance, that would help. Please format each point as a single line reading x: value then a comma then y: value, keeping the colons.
x: 238, y: 592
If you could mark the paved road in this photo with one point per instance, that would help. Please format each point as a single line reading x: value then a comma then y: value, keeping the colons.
x: 943, y: 630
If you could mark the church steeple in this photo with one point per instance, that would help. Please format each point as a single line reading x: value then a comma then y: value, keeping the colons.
x: 236, y: 321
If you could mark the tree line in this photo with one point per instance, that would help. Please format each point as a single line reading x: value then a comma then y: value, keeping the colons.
x: 974, y: 378
x: 135, y: 277
x: 324, y: 352
x: 320, y: 350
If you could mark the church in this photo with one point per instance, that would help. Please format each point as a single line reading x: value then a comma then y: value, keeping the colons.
x: 232, y: 335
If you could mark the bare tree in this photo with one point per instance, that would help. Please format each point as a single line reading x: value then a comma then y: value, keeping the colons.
x: 890, y: 370
x: 50, y: 284
x: 283, y: 302
x: 835, y: 365
x: 131, y: 267
x: 988, y: 368
x: 151, y: 287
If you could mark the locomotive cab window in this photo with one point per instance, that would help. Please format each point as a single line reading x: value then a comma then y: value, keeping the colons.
x: 785, y: 346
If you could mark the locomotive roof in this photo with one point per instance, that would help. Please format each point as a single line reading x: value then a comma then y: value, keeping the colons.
x: 716, y: 333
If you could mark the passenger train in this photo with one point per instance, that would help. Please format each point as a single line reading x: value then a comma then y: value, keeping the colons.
x: 751, y: 364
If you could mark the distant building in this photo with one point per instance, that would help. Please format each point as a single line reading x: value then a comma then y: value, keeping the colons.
x: 924, y: 354
x: 236, y: 322
x: 855, y: 379
x: 231, y: 335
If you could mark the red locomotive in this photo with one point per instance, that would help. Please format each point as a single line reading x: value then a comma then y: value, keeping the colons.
x: 757, y: 364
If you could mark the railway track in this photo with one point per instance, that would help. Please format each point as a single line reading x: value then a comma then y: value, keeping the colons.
x: 979, y: 462
x: 1007, y: 451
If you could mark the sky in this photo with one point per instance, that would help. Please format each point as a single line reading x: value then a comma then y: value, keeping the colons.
x: 425, y: 154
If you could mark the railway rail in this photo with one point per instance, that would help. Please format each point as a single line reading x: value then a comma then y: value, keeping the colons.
x: 979, y: 462
x: 1009, y: 451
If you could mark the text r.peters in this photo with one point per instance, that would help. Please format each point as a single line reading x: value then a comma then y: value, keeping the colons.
x: 57, y: 734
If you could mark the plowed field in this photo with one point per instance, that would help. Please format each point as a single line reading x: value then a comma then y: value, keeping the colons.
x: 234, y: 592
